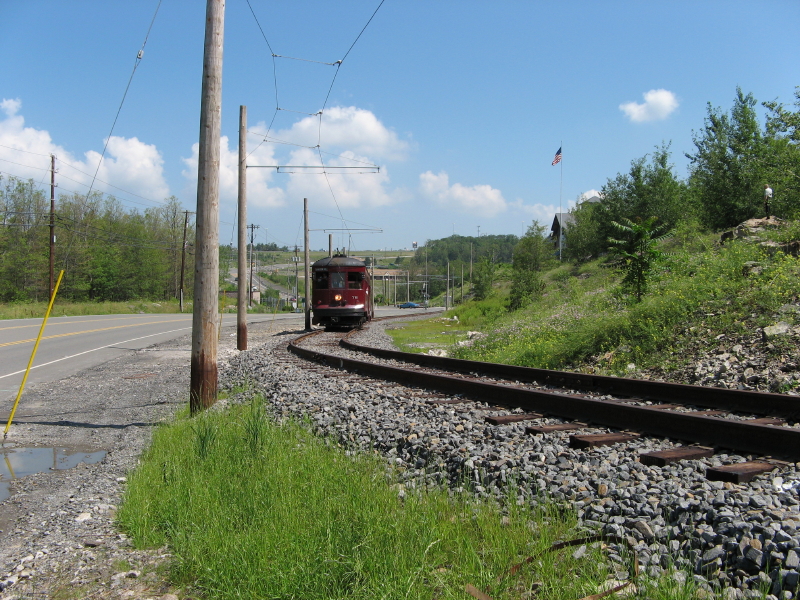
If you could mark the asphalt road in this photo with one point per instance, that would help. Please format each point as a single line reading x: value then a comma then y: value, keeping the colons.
x: 71, y: 344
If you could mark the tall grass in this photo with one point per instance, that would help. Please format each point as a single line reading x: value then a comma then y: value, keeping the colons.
x: 256, y: 510
x: 28, y: 310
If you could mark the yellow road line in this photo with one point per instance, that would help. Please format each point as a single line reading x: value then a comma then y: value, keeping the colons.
x: 76, y: 320
x: 50, y: 337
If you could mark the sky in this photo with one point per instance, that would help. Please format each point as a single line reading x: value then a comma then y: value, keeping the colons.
x: 461, y: 104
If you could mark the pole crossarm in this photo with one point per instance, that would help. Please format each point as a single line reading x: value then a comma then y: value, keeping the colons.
x: 278, y: 168
x: 370, y: 229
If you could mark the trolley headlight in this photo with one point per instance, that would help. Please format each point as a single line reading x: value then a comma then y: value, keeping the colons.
x: 338, y: 297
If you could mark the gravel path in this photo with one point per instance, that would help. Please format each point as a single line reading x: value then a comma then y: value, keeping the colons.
x: 59, y: 531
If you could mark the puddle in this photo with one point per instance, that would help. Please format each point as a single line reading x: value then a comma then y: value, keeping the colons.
x: 19, y: 462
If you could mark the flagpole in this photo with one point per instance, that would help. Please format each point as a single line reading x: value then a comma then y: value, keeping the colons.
x: 560, y: 193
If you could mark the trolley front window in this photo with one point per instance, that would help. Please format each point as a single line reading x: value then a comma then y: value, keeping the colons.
x: 321, y: 280
x: 337, y: 280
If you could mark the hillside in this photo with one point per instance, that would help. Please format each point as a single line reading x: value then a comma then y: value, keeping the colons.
x: 722, y: 314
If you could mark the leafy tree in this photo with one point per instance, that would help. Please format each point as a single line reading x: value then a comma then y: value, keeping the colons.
x: 636, y: 249
x: 582, y: 236
x: 649, y: 189
x: 782, y: 160
x: 530, y: 254
x: 484, y: 277
x: 727, y: 170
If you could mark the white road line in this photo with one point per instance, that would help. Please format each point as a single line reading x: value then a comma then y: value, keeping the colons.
x: 108, y: 346
x: 94, y: 350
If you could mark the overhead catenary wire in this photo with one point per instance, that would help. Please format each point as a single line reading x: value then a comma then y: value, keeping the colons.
x: 278, y: 108
x: 138, y: 60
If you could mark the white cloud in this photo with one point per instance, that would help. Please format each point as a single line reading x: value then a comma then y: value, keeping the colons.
x: 259, y: 193
x: 129, y: 164
x: 658, y: 105
x: 352, y: 188
x: 481, y: 200
x: 10, y: 106
x: 588, y: 194
x: 543, y: 213
x: 353, y: 129
x: 355, y: 136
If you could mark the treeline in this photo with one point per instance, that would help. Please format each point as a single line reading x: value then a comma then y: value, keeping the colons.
x: 108, y: 252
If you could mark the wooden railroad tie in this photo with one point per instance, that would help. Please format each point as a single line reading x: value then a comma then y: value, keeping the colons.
x: 665, y: 457
x: 533, y: 430
x: 506, y: 419
x: 740, y: 472
x: 600, y: 439
x: 767, y: 421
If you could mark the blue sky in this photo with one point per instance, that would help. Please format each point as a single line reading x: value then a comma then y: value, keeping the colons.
x: 463, y: 104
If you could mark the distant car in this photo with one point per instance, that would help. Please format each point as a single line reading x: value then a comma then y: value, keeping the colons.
x: 409, y: 305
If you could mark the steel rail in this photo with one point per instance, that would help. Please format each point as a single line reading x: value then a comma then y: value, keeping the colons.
x: 740, y: 436
x: 760, y: 403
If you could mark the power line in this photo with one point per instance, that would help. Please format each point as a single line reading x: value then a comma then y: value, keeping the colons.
x: 124, y: 95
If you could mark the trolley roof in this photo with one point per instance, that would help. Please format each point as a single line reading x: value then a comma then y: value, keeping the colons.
x: 338, y: 261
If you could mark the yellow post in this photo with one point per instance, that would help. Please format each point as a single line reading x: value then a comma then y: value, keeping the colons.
x: 33, y: 354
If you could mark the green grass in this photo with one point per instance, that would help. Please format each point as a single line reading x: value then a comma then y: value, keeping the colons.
x: 19, y: 310
x: 700, y: 291
x: 256, y: 510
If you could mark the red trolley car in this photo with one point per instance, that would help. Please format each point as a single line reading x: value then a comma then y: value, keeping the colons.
x: 341, y: 292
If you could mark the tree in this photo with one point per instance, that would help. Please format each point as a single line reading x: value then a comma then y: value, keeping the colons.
x: 782, y: 160
x: 582, y: 237
x: 483, y: 278
x: 649, y: 189
x: 530, y: 254
x: 727, y: 170
x: 636, y: 250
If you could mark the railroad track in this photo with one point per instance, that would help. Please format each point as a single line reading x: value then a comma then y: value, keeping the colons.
x: 706, y: 418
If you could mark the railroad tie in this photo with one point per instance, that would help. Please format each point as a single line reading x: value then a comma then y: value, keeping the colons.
x: 740, y: 472
x: 533, y: 430
x: 767, y: 421
x: 506, y: 419
x: 665, y: 457
x: 600, y: 439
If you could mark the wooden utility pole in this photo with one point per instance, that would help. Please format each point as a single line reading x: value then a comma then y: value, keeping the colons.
x: 203, y: 384
x: 252, y: 258
x: 183, y: 257
x: 447, y: 288
x: 241, y: 298
x: 307, y: 269
x: 52, y: 222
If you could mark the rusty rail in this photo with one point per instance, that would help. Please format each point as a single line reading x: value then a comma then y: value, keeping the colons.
x: 736, y: 435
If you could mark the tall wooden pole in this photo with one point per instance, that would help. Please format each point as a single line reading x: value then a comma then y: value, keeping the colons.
x: 307, y: 269
x: 241, y: 298
x: 183, y: 257
x: 52, y: 222
x: 203, y: 384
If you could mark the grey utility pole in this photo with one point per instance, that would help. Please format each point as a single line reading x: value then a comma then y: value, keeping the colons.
x: 52, y: 222
x: 203, y: 381
x: 241, y: 297
x: 183, y: 257
x: 307, y: 269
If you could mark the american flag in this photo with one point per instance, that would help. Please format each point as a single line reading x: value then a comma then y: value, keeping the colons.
x: 557, y: 159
